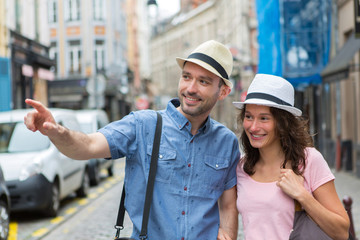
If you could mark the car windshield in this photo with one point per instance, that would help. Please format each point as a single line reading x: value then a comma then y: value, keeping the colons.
x: 15, y: 137
x: 86, y: 127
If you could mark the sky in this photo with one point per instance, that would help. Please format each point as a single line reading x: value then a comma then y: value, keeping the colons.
x: 168, y: 7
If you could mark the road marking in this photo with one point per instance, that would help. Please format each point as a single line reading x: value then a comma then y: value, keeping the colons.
x: 57, y: 220
x: 83, y: 201
x: 71, y: 210
x: 37, y: 234
x: 13, y: 227
x: 40, y: 232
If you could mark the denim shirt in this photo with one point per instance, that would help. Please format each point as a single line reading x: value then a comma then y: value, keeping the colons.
x: 192, y: 173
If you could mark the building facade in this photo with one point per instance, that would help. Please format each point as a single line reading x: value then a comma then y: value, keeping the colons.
x: 231, y: 22
x: 341, y: 89
x: 88, y: 39
x: 25, y: 33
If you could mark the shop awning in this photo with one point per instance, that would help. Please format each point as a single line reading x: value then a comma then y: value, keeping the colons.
x: 338, y: 67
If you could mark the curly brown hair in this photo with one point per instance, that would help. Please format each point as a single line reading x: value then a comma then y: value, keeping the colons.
x: 294, y: 138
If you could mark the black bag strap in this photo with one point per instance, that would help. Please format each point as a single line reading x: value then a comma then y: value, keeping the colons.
x: 149, y: 188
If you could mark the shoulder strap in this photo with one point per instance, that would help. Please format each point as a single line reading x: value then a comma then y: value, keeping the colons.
x: 151, y: 178
x: 149, y: 188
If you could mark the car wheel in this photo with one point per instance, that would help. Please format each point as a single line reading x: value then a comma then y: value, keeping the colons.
x: 54, y: 204
x: 4, y: 221
x: 95, y: 179
x: 110, y: 170
x: 85, y: 185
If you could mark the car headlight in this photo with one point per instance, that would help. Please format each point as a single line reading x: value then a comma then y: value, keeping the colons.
x: 29, y: 170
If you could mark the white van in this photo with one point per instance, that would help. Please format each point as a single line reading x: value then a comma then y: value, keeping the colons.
x: 37, y: 175
x: 90, y: 121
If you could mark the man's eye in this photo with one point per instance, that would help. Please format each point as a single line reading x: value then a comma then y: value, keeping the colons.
x: 204, y: 82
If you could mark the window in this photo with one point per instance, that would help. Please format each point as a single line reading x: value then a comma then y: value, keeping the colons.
x: 74, y: 56
x: 53, y: 52
x: 72, y: 10
x: 99, y: 56
x: 99, y: 10
x: 52, y: 11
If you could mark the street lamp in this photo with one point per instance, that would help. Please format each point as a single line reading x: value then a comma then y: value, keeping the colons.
x: 153, y: 14
x: 152, y: 2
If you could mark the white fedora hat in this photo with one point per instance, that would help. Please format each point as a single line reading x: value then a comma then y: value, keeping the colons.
x: 272, y: 91
x: 214, y: 57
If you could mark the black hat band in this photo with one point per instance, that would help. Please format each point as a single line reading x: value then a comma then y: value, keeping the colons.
x: 212, y: 62
x: 267, y: 97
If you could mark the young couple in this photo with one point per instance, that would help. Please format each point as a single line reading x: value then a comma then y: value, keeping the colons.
x: 201, y: 183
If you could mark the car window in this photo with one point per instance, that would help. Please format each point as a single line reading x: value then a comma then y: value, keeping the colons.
x: 86, y: 127
x: 17, y: 138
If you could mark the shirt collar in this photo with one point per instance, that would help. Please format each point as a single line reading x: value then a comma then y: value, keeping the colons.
x: 181, y: 120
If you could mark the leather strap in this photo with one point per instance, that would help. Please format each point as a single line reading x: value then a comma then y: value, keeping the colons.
x: 149, y: 188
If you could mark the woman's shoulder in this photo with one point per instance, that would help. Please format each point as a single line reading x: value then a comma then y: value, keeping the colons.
x: 313, y: 154
x: 314, y: 159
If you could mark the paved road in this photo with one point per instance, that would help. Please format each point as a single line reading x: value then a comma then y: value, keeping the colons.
x: 96, y: 221
x: 349, y: 185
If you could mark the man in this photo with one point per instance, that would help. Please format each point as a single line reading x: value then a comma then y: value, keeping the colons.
x: 194, y: 194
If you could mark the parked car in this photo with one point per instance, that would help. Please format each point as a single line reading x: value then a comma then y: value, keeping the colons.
x: 37, y: 175
x: 90, y: 121
x: 4, y: 208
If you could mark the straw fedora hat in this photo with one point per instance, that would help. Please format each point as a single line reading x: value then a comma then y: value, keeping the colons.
x: 272, y: 91
x: 214, y: 57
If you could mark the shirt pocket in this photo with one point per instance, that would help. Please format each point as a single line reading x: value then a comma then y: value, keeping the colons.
x: 166, y: 163
x: 214, y: 174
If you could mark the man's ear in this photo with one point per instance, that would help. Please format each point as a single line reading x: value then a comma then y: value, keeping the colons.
x: 224, y: 92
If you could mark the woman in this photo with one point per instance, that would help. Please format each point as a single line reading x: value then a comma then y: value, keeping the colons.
x: 280, y: 164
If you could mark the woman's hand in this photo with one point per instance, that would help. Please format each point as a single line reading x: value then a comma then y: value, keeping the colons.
x: 291, y: 183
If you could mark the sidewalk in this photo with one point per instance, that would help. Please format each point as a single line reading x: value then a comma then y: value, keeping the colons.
x: 347, y: 184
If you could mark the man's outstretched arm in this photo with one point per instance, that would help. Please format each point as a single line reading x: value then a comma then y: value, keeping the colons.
x: 73, y: 144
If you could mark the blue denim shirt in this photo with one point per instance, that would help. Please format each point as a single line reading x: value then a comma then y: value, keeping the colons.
x: 192, y: 173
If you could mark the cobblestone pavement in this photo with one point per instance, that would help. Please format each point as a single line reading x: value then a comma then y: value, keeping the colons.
x: 347, y: 184
x: 96, y: 221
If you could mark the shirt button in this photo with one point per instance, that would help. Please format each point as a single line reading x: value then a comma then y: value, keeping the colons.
x: 185, y: 188
x: 217, y: 165
x: 189, y: 165
x: 161, y: 156
x: 183, y: 213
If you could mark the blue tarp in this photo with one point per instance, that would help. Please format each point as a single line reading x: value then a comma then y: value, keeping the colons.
x: 5, y: 85
x: 268, y: 16
x: 294, y: 39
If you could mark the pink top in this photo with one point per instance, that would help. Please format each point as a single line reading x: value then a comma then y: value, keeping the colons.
x: 267, y: 212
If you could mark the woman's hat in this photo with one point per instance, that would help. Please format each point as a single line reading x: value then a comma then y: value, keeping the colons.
x: 272, y: 91
x: 214, y: 57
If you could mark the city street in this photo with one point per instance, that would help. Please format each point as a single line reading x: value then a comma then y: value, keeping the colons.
x: 95, y: 216
x: 97, y: 208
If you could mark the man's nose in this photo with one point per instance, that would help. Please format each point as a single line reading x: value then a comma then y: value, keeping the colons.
x: 192, y: 87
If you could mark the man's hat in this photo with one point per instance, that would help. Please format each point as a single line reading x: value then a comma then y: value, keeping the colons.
x: 214, y: 57
x: 272, y: 91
